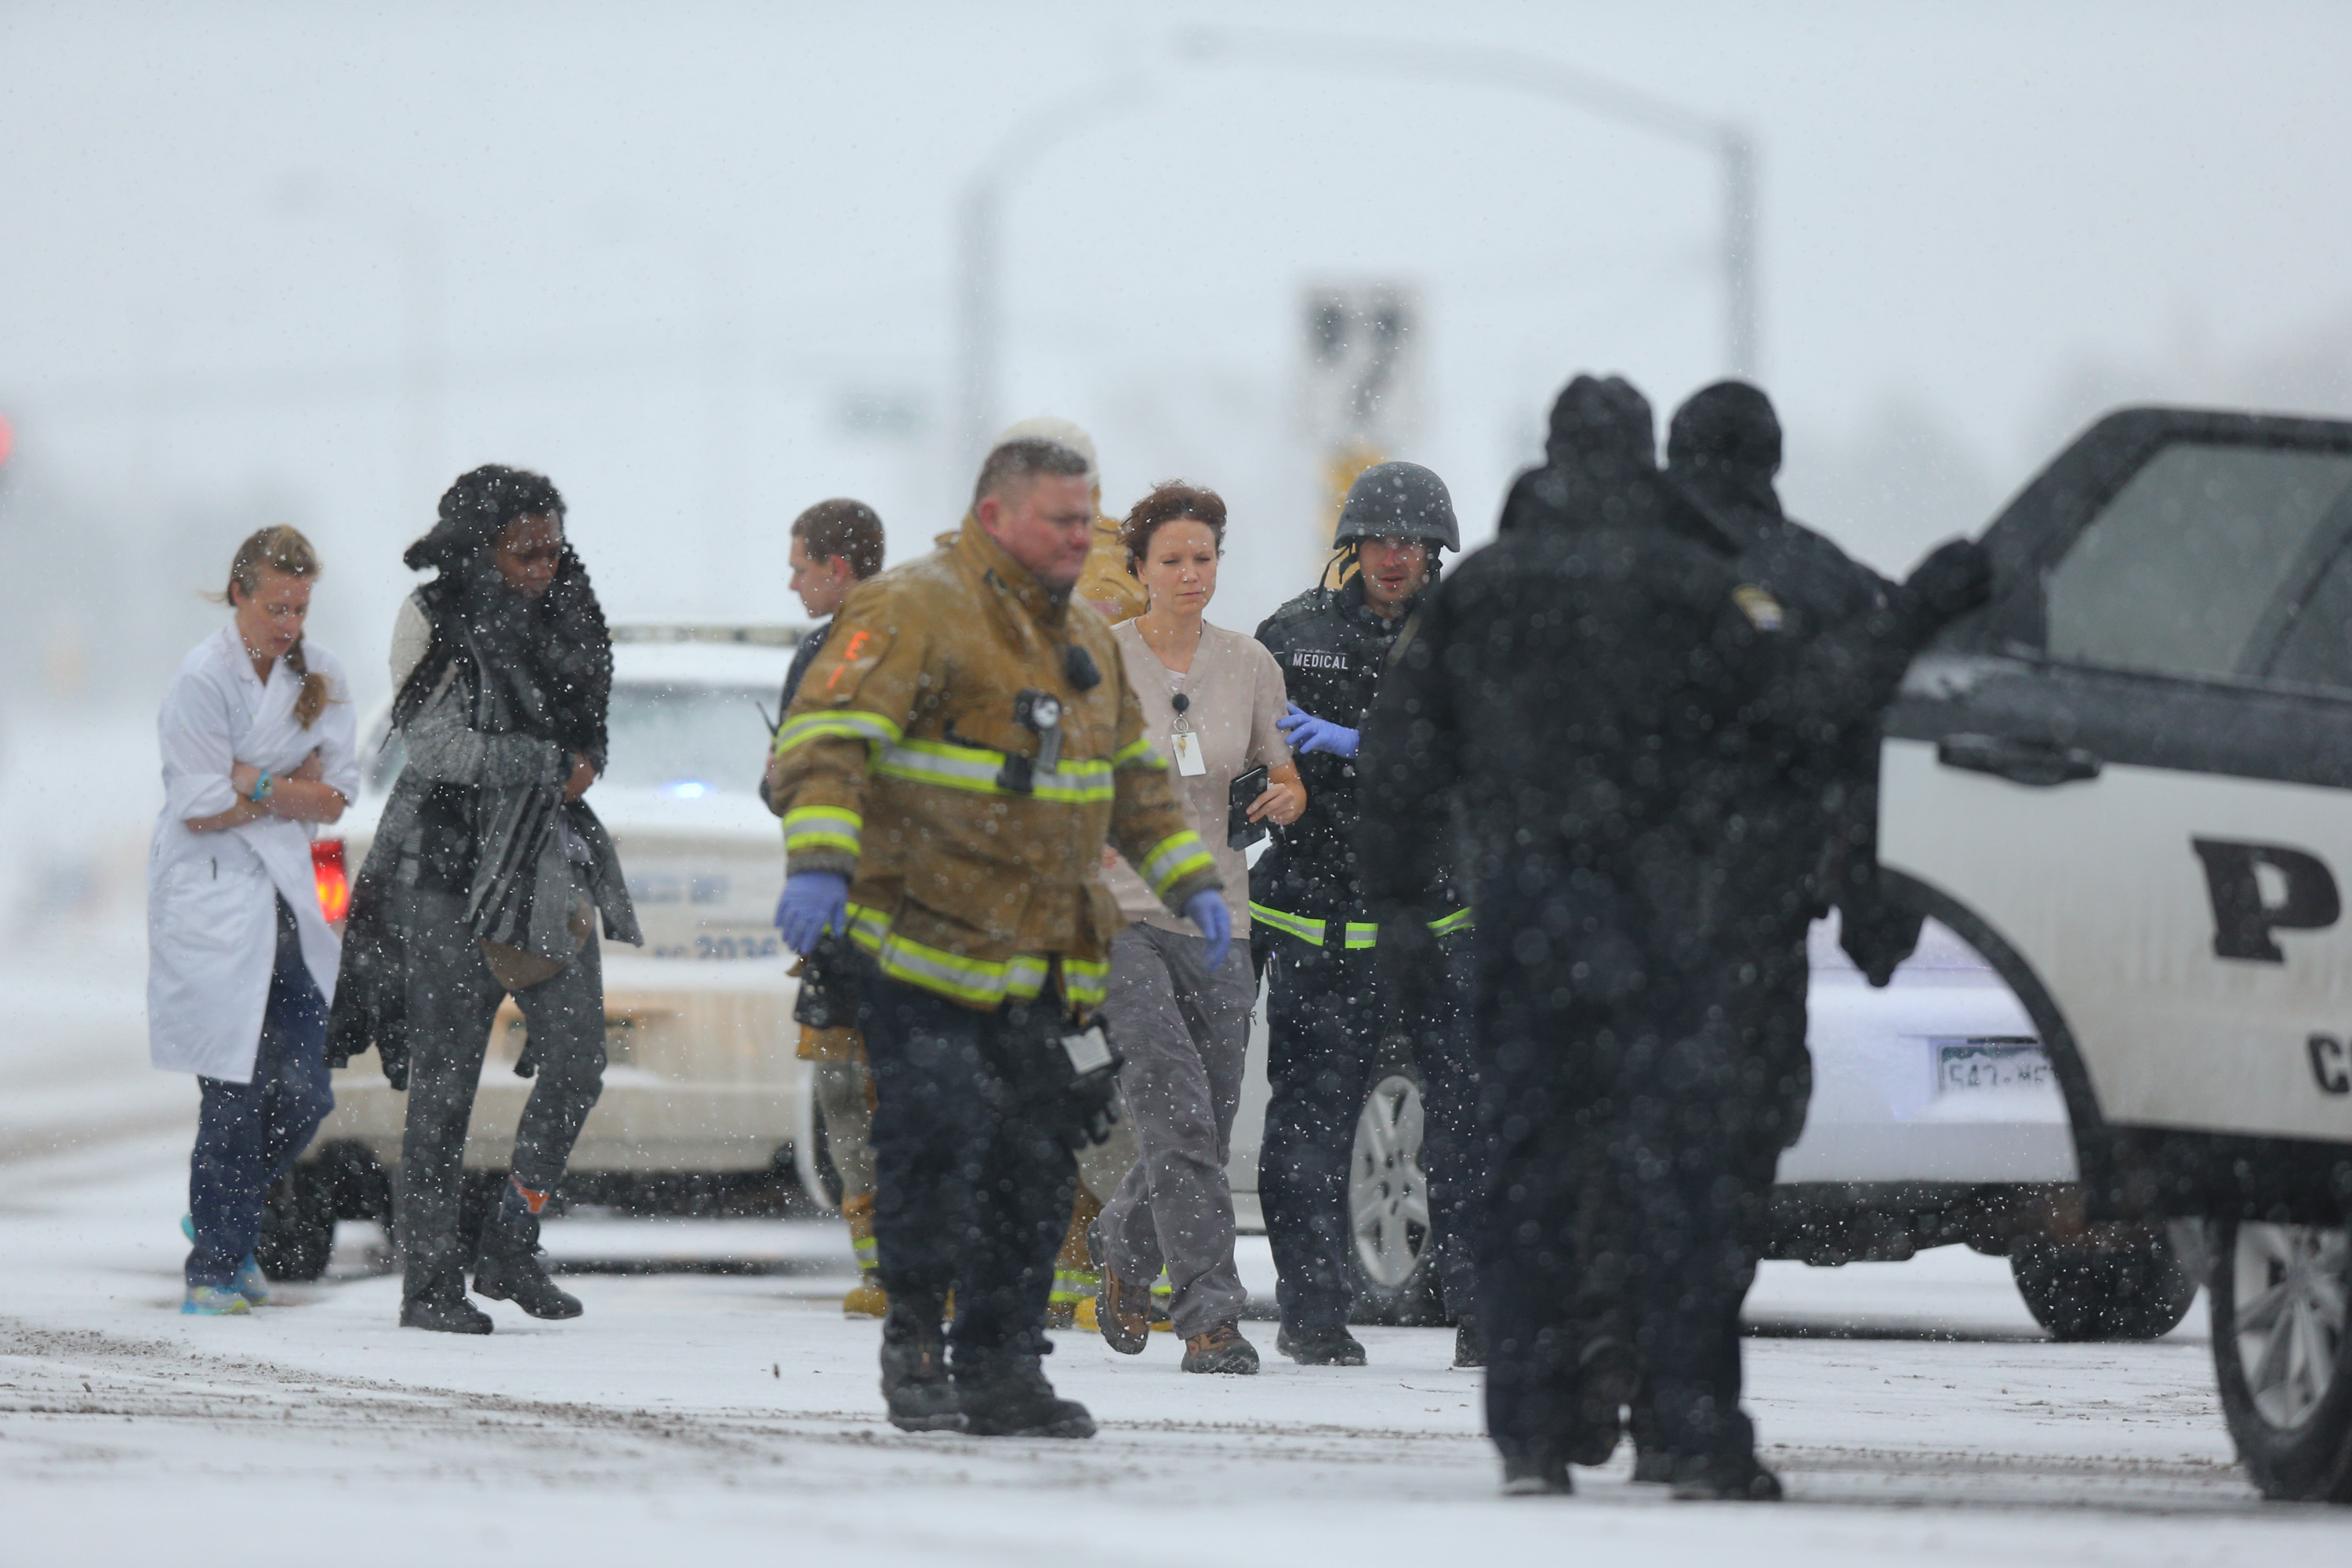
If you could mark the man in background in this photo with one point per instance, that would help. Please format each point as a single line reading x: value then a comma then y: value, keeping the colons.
x: 836, y: 545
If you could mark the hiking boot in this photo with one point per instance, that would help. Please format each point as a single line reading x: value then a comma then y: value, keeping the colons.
x: 1608, y: 1379
x: 1320, y: 1347
x: 1725, y: 1478
x: 1222, y: 1349
x: 439, y: 1304
x: 1537, y: 1475
x: 1122, y: 1312
x: 867, y: 1299
x: 915, y: 1368
x: 509, y: 1268
x: 1007, y: 1396
x: 214, y: 1302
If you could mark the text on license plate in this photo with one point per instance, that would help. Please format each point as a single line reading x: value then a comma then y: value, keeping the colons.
x: 1963, y: 1067
x: 721, y: 946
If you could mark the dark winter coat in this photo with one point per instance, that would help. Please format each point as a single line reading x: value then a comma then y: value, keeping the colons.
x: 1610, y: 702
x: 1723, y: 449
x: 479, y: 807
x: 1332, y: 648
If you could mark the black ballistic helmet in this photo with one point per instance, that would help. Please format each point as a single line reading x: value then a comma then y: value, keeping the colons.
x: 1399, y: 500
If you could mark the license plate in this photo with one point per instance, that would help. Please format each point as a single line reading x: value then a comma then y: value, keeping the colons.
x: 1969, y: 1067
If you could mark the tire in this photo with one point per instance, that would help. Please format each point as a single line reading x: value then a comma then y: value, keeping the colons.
x: 2283, y: 1357
x: 2137, y: 1290
x: 1391, y: 1260
x: 297, y: 1223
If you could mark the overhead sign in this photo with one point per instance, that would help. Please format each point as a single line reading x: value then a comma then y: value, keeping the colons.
x: 1363, y: 364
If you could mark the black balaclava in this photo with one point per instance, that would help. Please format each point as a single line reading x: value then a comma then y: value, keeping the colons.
x: 1724, y: 447
x: 1602, y: 429
x: 554, y: 654
x: 1601, y: 465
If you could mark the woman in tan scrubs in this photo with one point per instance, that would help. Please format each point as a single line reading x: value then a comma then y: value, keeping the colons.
x: 1211, y: 698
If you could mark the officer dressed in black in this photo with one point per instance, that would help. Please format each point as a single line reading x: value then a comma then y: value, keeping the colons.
x: 1331, y: 1007
x: 1606, y: 701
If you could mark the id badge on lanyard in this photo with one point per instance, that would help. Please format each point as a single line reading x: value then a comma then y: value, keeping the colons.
x: 1189, y: 763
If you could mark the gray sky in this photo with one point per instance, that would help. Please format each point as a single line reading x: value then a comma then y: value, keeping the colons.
x: 696, y: 265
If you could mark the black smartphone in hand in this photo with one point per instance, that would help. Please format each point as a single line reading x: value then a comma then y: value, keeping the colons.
x: 1240, y: 831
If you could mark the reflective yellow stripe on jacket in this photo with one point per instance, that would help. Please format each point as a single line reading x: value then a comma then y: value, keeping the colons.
x: 978, y: 982
x: 1172, y: 859
x: 1353, y: 934
x: 974, y: 769
x: 845, y: 722
x: 823, y: 827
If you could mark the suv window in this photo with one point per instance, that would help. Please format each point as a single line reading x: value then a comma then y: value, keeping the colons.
x: 2314, y: 642
x: 2175, y: 574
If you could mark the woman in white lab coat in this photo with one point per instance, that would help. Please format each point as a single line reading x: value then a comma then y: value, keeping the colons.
x: 257, y: 736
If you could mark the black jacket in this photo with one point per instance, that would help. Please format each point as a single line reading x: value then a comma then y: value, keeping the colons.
x: 1724, y: 451
x: 1332, y: 647
x: 812, y: 643
x: 1611, y: 704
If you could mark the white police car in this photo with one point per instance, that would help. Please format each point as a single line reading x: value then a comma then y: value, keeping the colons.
x: 703, y: 1095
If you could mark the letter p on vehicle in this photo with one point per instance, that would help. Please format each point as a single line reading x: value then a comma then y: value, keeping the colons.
x: 2259, y: 889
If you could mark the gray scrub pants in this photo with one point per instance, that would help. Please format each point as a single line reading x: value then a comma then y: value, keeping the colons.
x: 849, y: 1125
x: 453, y: 999
x: 1185, y: 1031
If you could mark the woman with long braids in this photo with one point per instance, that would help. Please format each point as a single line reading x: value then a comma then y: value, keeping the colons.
x: 489, y: 877
x: 257, y: 734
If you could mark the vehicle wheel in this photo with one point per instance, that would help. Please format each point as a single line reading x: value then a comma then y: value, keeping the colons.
x: 2282, y: 1356
x: 2137, y: 1290
x: 298, y: 1223
x: 1392, y: 1260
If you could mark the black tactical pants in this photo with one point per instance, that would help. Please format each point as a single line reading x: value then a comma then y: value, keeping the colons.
x: 453, y: 999
x: 1328, y: 1019
x: 1635, y: 1142
x: 970, y: 1189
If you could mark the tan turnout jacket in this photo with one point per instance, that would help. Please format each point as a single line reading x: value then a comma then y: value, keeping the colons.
x: 893, y: 768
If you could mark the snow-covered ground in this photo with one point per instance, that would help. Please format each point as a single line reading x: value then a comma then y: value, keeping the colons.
x: 696, y: 1417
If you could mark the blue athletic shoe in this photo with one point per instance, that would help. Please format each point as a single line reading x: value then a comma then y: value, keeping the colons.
x: 214, y: 1302
x: 251, y: 1282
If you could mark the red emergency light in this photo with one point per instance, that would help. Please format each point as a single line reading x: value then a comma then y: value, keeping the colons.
x: 334, y: 885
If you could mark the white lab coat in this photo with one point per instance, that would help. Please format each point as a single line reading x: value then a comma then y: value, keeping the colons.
x: 212, y: 912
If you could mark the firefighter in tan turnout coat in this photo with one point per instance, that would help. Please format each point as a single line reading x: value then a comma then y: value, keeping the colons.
x: 951, y: 767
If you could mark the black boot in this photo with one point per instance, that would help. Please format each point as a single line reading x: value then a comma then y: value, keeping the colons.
x: 915, y: 1366
x: 1609, y: 1378
x: 1724, y: 1478
x: 436, y: 1300
x: 1535, y: 1473
x: 1006, y: 1395
x: 509, y: 1268
x: 1469, y: 1343
x: 1323, y: 1347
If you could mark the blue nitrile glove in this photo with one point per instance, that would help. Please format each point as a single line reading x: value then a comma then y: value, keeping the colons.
x: 1208, y: 911
x: 813, y: 904
x: 1306, y: 733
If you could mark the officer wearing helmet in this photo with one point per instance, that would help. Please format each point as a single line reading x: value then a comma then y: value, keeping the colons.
x: 1343, y: 976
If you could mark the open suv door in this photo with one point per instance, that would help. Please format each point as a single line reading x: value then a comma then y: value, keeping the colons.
x: 2129, y: 784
